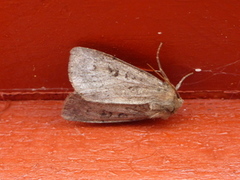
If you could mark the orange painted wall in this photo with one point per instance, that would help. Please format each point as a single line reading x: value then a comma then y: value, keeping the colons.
x: 36, y: 37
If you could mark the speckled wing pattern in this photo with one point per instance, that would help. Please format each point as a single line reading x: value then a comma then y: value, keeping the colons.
x: 100, y: 77
x: 78, y: 109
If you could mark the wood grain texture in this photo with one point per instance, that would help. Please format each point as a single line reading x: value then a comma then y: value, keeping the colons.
x: 201, y: 141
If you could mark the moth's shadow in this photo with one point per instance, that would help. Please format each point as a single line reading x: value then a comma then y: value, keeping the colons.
x: 148, y: 122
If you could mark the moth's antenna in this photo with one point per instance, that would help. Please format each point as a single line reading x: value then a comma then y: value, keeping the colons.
x: 180, y: 82
x: 158, y: 61
x: 167, y: 80
x: 161, y: 75
x: 158, y: 73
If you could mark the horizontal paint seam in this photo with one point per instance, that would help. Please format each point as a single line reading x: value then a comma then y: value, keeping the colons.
x: 61, y: 95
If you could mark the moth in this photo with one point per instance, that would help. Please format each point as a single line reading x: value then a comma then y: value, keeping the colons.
x: 109, y: 90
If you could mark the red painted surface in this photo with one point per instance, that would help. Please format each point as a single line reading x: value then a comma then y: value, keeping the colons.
x: 201, y: 141
x: 36, y: 38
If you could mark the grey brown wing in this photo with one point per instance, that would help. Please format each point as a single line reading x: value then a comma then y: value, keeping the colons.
x: 100, y: 77
x: 78, y: 109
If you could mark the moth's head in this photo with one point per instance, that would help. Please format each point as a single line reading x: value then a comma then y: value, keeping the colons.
x: 178, y: 101
x: 173, y: 100
x: 168, y: 102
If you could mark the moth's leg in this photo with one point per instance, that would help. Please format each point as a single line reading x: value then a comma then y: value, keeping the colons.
x: 162, y: 107
x: 160, y: 115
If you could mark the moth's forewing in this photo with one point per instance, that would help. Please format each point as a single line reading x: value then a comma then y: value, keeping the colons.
x: 100, y: 77
x: 78, y: 109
